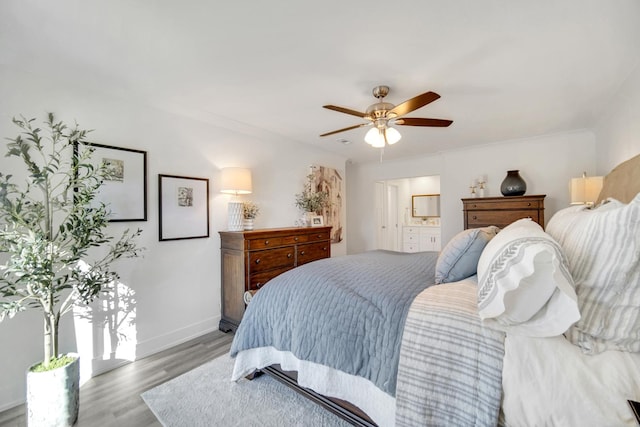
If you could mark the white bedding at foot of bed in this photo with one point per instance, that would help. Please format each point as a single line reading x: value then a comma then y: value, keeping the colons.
x: 378, y: 405
x: 550, y: 382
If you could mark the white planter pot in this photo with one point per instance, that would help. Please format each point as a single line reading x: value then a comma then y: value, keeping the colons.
x: 307, y: 218
x: 53, y: 397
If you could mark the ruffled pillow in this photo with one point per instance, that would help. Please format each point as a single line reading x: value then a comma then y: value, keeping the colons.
x: 524, y: 284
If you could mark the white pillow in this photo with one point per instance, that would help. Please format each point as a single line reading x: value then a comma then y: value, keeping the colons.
x: 459, y: 258
x: 603, y: 249
x: 524, y: 284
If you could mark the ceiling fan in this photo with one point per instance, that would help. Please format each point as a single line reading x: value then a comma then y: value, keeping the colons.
x: 382, y: 114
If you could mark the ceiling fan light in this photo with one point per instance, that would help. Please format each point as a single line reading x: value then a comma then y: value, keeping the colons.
x: 374, y: 138
x: 393, y: 136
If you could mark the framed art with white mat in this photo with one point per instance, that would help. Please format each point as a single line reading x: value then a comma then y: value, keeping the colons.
x: 124, y: 189
x: 183, y: 207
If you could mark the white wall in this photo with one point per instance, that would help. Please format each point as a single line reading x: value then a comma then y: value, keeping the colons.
x: 176, y: 285
x: 546, y: 163
x: 618, y: 131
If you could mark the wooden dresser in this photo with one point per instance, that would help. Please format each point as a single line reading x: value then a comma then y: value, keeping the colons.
x: 249, y: 259
x: 502, y: 211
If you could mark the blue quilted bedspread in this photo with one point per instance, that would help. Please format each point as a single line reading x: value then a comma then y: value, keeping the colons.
x: 345, y: 312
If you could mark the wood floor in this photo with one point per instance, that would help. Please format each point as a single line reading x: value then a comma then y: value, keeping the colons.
x: 113, y: 398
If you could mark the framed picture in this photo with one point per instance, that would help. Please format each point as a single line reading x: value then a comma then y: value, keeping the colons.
x: 124, y: 191
x: 183, y: 207
x: 317, y: 221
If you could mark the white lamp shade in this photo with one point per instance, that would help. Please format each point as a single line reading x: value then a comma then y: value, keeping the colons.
x: 585, y: 190
x: 235, y: 181
x: 375, y: 138
x: 393, y: 136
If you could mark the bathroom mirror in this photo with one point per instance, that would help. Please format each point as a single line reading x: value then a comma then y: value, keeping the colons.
x: 425, y: 205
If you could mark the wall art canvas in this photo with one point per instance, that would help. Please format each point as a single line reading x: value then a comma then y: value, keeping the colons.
x: 330, y: 180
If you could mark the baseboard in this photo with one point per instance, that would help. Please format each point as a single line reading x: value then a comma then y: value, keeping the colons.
x: 143, y: 349
x: 178, y: 336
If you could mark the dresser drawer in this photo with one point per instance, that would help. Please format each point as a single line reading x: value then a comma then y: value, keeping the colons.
x: 312, y: 251
x: 411, y: 247
x: 291, y: 240
x: 411, y: 230
x: 265, y: 243
x: 316, y: 237
x: 270, y: 259
x: 411, y: 238
x: 499, y: 218
x: 509, y: 204
x: 258, y: 280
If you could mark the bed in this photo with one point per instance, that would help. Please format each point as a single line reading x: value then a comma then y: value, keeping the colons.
x: 516, y: 327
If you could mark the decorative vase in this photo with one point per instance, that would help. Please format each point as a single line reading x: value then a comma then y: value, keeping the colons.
x: 53, y: 396
x: 248, y: 223
x: 307, y: 218
x: 513, y: 184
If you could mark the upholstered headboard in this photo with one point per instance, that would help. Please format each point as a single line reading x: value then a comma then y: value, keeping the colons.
x: 623, y: 182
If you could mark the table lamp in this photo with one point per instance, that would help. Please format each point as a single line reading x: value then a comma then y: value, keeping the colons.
x: 235, y: 181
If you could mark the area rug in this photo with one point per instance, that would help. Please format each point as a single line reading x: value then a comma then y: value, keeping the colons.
x: 206, y: 396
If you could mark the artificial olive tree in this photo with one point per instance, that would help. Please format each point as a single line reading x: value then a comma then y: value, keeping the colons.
x: 54, y: 248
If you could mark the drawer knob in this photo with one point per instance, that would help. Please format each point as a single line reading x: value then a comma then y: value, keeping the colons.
x: 475, y: 217
x: 324, y: 249
x: 296, y: 239
x: 258, y: 261
x: 475, y: 206
x: 302, y: 253
x: 288, y: 255
x: 266, y: 242
x: 529, y: 204
x: 259, y: 284
x: 319, y: 236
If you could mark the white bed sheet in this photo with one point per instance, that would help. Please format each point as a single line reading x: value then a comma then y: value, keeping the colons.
x: 550, y: 382
x: 378, y: 405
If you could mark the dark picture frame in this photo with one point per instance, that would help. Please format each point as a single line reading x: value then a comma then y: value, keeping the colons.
x: 183, y: 207
x: 124, y: 191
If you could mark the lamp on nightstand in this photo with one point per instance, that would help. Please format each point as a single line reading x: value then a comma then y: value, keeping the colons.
x: 585, y: 190
x: 235, y: 181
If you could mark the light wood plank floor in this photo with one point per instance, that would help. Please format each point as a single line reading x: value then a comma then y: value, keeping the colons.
x: 113, y: 398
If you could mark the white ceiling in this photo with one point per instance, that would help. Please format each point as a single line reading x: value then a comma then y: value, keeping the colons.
x: 506, y: 69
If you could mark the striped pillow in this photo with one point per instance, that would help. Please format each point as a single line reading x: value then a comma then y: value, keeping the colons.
x: 602, y: 246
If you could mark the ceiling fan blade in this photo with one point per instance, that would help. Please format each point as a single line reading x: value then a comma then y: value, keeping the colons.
x: 344, y: 129
x: 345, y: 110
x: 414, y: 121
x: 414, y: 103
